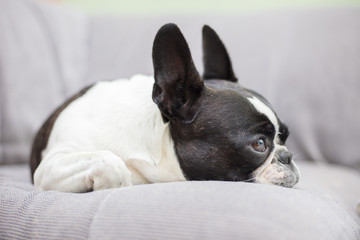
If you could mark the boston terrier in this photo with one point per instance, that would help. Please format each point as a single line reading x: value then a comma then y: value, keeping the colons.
x: 173, y: 126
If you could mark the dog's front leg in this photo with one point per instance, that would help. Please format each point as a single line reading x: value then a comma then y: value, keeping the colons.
x: 81, y: 172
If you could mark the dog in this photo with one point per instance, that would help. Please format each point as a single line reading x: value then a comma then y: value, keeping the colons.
x: 173, y: 126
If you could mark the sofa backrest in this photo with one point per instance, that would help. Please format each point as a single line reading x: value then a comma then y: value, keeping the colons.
x: 306, y: 62
x: 43, y: 60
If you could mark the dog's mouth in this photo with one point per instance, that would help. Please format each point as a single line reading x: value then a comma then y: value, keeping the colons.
x: 277, y: 173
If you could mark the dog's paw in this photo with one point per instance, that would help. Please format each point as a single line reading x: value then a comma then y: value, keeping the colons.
x: 108, y: 171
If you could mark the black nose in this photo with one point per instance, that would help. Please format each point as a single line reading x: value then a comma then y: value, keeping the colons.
x: 285, y: 157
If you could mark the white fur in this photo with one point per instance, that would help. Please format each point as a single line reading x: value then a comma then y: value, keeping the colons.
x: 268, y: 172
x: 112, y: 136
x: 264, y: 109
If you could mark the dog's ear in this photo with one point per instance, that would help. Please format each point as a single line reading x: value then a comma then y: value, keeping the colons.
x: 178, y: 85
x: 217, y: 64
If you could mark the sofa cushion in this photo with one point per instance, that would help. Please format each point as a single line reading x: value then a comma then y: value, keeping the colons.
x: 179, y: 210
x: 43, y: 60
x: 334, y: 182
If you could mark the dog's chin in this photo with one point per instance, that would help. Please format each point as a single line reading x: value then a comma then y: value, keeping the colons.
x: 285, y: 175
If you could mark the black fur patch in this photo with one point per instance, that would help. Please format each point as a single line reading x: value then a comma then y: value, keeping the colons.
x: 217, y: 144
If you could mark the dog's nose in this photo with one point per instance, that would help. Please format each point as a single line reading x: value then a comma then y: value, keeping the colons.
x: 285, y: 157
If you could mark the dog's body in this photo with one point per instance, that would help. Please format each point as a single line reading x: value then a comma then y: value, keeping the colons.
x: 113, y: 135
x: 117, y: 128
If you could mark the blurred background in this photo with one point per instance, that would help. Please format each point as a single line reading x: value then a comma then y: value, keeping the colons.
x: 296, y: 53
x: 144, y: 7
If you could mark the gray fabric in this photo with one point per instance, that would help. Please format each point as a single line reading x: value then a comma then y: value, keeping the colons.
x: 181, y: 210
x: 306, y: 62
x: 333, y: 182
x: 43, y: 60
x: 18, y: 172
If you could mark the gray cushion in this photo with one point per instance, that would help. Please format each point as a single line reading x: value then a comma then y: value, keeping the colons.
x: 180, y: 210
x: 43, y: 60
x: 334, y: 182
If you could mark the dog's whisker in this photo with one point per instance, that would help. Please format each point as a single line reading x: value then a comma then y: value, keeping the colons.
x: 250, y: 180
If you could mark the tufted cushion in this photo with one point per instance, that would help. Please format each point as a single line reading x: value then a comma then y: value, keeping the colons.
x: 180, y: 210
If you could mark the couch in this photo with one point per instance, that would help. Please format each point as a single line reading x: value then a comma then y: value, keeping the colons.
x: 306, y: 62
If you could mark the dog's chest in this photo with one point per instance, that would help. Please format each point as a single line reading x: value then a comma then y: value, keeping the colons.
x: 120, y: 117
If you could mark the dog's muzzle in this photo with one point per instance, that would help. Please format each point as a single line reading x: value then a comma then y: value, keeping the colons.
x: 280, y: 170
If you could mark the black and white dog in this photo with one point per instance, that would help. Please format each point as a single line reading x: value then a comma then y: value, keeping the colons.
x: 174, y: 126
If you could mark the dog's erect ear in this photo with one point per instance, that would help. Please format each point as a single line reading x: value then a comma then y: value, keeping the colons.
x: 217, y: 64
x: 178, y: 85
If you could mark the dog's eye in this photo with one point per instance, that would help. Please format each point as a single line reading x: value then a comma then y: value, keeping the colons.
x: 259, y: 145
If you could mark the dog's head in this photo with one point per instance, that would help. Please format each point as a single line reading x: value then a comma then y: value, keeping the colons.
x: 221, y: 131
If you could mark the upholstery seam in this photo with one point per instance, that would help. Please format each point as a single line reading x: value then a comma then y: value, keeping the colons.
x: 2, y: 114
x: 111, y: 192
